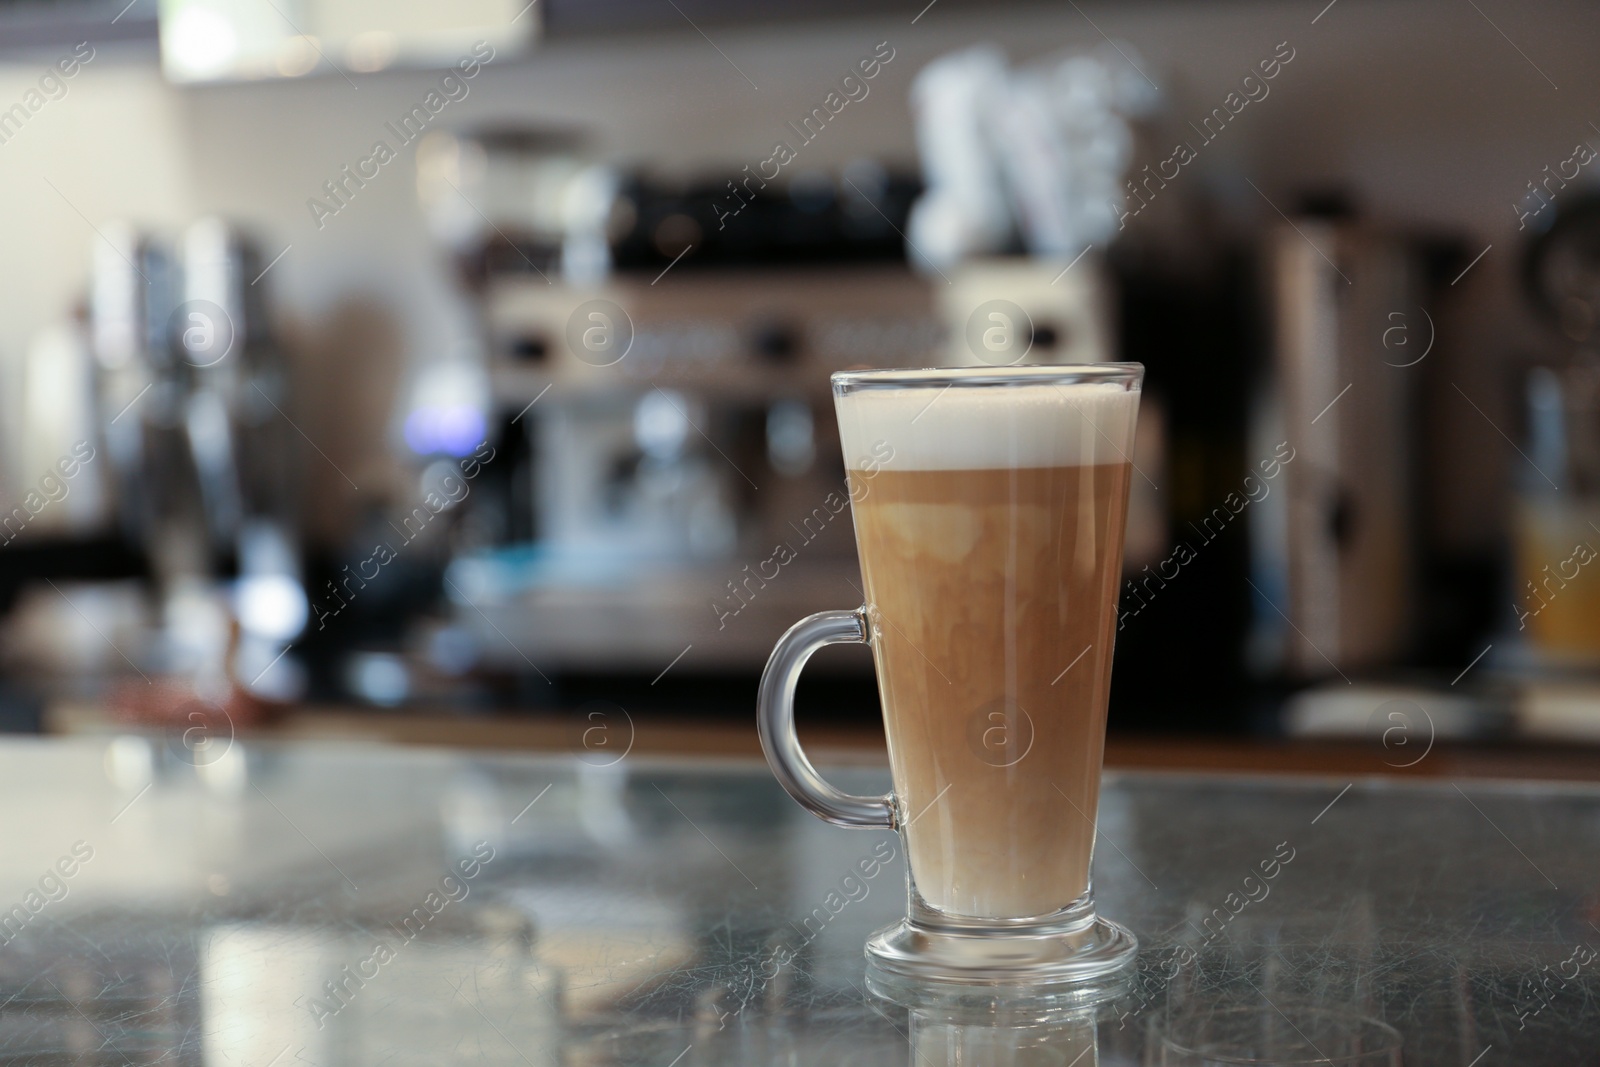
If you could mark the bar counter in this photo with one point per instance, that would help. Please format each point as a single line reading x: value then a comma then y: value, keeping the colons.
x: 273, y: 902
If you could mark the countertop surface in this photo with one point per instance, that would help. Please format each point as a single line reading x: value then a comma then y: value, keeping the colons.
x: 265, y: 904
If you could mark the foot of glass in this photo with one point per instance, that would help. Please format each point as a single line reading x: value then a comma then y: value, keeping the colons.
x: 1079, y: 962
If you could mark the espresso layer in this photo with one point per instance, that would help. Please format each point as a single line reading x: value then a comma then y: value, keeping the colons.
x: 993, y: 600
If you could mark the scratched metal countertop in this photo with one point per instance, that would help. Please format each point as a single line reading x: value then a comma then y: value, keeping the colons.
x: 270, y: 904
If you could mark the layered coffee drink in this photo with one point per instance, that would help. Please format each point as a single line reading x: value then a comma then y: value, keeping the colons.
x: 989, y: 524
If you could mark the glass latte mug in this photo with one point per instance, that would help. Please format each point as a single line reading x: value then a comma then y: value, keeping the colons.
x: 989, y: 510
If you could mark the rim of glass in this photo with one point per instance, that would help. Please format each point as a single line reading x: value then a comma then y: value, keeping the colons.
x: 1126, y: 374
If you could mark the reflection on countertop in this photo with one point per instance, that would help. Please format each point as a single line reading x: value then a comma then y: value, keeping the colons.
x: 331, y: 903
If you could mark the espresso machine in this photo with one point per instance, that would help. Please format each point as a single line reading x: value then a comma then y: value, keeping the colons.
x: 659, y: 382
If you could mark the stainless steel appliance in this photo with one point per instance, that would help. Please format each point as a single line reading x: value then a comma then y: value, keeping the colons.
x: 192, y: 394
x: 687, y: 492
x: 1334, y: 562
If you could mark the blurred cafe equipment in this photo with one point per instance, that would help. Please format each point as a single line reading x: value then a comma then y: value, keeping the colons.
x: 479, y: 398
x: 417, y: 440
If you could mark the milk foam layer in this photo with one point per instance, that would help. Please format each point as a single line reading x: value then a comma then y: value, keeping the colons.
x: 967, y: 427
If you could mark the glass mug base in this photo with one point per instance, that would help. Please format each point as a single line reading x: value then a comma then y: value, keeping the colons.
x: 1064, y: 957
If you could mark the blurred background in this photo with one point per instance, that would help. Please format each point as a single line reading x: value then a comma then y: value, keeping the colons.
x: 445, y: 370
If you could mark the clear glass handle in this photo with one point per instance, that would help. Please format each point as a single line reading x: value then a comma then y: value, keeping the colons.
x: 775, y: 717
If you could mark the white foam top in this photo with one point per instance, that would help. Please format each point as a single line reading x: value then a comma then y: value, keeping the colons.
x: 978, y: 427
